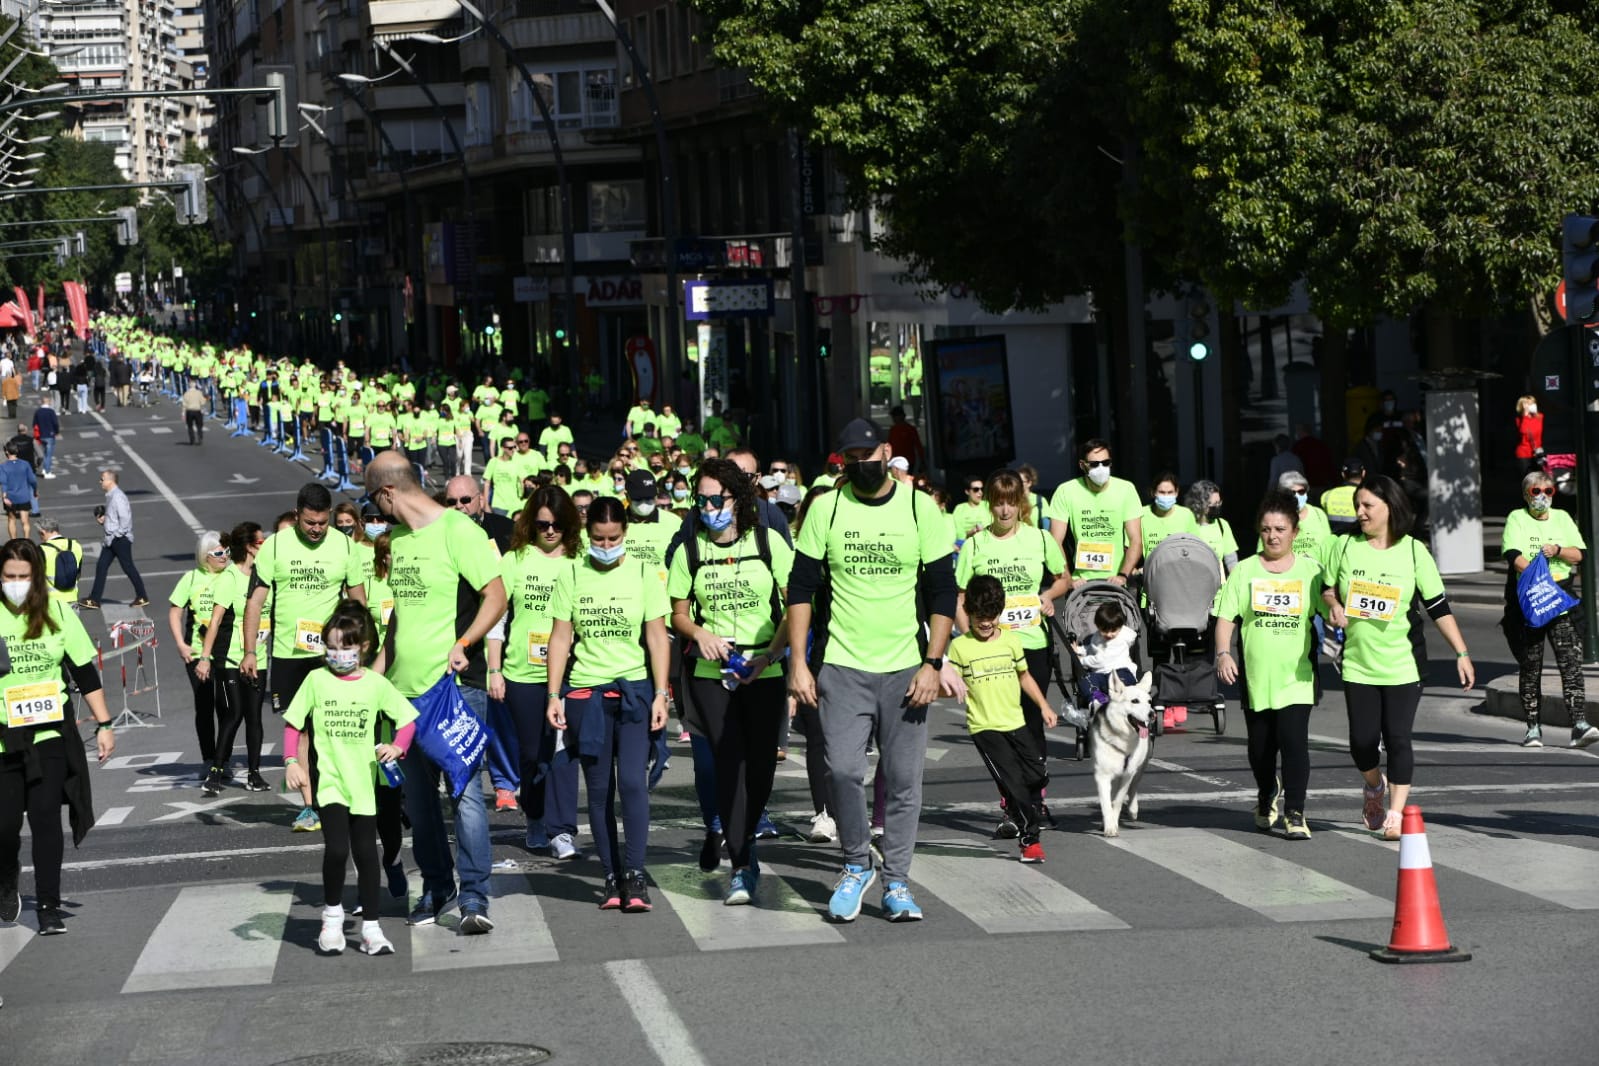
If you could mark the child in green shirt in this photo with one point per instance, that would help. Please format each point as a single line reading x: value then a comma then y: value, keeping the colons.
x: 994, y: 667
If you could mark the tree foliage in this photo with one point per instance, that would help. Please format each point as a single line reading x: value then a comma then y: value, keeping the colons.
x: 1393, y: 153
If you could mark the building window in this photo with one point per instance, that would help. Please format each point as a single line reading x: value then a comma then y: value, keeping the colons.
x: 616, y: 205
x: 661, y: 41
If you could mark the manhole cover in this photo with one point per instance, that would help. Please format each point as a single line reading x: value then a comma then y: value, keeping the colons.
x: 473, y: 1054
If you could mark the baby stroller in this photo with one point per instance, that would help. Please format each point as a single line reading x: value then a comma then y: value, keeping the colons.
x: 1181, y: 578
x: 1075, y: 624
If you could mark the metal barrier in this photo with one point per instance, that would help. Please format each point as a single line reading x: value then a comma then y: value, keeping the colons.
x: 132, y: 638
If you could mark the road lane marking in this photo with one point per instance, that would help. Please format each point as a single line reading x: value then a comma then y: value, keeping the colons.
x: 526, y: 939
x: 1559, y: 873
x: 214, y: 936
x: 1178, y: 768
x: 13, y: 938
x: 661, y: 1025
x: 1000, y: 895
x: 1274, y: 887
x: 186, y: 515
x: 114, y: 816
x: 778, y: 918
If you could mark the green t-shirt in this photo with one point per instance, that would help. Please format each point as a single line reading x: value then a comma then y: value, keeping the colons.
x: 1377, y: 588
x: 731, y: 593
x: 637, y: 418
x: 530, y: 578
x: 528, y: 464
x: 970, y: 516
x: 32, y: 693
x: 231, y: 591
x: 380, y: 429
x: 992, y: 670
x: 1526, y: 535
x: 648, y: 541
x: 1023, y: 563
x: 551, y: 438
x: 343, y: 714
x: 1156, y: 527
x: 1098, y: 522
x: 692, y: 443
x: 874, y: 552
x: 1274, y: 612
x: 195, y: 591
x: 1314, y: 533
x: 355, y: 420
x: 504, y: 480
x: 607, y: 610
x: 538, y: 402
x: 1219, y: 535
x: 307, y: 582
x: 380, y: 604
x: 426, y: 567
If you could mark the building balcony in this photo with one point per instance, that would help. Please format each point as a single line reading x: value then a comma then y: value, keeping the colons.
x: 586, y: 247
x: 545, y: 31
x: 397, y: 95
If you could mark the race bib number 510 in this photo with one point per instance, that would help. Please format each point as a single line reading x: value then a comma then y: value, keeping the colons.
x: 1372, y: 601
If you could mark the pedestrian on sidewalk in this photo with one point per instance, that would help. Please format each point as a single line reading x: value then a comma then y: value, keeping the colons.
x: 193, y: 403
x: 46, y: 428
x: 1540, y: 528
x: 19, y: 486
x: 117, y: 518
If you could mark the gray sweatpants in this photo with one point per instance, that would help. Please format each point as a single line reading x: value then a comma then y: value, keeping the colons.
x: 852, y: 703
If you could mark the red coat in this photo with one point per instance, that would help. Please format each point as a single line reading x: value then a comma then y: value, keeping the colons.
x: 1531, y: 429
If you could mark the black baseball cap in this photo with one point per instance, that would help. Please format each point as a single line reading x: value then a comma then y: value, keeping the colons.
x: 1353, y: 467
x: 641, y: 485
x: 859, y: 433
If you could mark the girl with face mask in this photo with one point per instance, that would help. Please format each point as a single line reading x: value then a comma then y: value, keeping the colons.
x: 43, y: 637
x: 1163, y: 518
x: 1203, y: 500
x: 614, y: 608
x: 343, y: 708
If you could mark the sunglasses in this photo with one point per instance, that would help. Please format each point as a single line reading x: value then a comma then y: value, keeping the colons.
x: 217, y: 553
x: 523, y: 440
x: 1549, y: 492
x: 779, y: 470
x: 544, y: 526
x: 974, y: 488
x: 460, y: 501
x: 1094, y: 463
x: 717, y: 502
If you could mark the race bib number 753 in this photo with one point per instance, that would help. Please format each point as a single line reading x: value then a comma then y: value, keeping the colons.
x: 1267, y: 596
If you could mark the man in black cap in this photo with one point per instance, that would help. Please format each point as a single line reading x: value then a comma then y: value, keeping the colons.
x: 882, y: 544
x: 1339, y: 501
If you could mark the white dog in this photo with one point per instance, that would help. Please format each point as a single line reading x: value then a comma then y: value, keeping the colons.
x: 1121, y: 750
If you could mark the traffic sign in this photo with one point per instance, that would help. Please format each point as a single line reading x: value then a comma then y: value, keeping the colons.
x: 1560, y: 302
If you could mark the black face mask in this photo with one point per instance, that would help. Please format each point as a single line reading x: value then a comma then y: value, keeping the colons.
x: 867, y: 475
x: 1213, y: 513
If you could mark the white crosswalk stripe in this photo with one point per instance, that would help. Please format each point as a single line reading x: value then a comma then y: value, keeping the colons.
x: 244, y: 934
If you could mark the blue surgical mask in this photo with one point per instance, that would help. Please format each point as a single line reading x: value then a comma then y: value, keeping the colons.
x: 1165, y: 503
x: 606, y: 556
x: 374, y: 530
x: 717, y: 521
x: 1301, y: 498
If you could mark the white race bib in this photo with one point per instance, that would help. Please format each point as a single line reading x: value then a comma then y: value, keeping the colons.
x: 36, y: 704
x: 308, y: 636
x: 538, y: 649
x: 1270, y: 596
x: 1021, y: 612
x: 1094, y: 555
x: 1372, y: 601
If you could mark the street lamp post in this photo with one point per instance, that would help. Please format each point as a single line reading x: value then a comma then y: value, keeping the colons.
x: 563, y: 183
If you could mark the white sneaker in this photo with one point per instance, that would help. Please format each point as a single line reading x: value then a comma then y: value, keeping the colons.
x: 823, y: 829
x: 49, y: 477
x: 562, y: 846
x: 331, y: 941
x: 373, y: 942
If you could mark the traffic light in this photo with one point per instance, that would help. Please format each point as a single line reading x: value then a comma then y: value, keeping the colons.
x: 191, y: 206
x: 127, y: 225
x: 488, y: 330
x: 63, y: 251
x: 80, y: 244
x: 824, y: 342
x: 338, y: 316
x: 1580, y: 252
x: 1198, y: 332
x: 279, y: 114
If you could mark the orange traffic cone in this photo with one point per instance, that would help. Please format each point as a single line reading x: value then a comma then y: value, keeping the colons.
x: 1419, y: 934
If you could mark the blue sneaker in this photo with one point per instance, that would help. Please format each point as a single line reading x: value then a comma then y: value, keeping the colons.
x: 898, y: 906
x: 845, y: 906
x: 766, y: 829
x: 537, y: 838
x: 741, y: 889
x: 428, y: 908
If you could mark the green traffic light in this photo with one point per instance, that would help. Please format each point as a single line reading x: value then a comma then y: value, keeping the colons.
x: 1198, y: 351
x: 560, y: 334
x: 338, y: 316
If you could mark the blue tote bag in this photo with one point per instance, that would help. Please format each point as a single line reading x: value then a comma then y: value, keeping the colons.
x: 450, y: 734
x: 1542, y: 601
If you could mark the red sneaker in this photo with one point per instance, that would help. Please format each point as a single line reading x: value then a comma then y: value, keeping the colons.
x: 611, y: 894
x: 504, y: 799
x: 1168, y: 718
x: 1033, y: 852
x: 1181, y: 714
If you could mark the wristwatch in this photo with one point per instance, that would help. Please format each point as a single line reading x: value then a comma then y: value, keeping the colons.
x: 935, y: 661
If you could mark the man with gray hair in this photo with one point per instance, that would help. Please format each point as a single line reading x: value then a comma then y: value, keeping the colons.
x: 117, y: 518
x: 63, y: 559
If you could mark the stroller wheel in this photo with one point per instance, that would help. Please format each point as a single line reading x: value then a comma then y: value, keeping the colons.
x: 1080, y: 748
x: 1157, y: 721
x: 1221, y: 718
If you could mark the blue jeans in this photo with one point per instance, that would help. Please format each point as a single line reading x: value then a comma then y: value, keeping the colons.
x: 430, y: 842
x: 49, y: 446
x: 503, y: 754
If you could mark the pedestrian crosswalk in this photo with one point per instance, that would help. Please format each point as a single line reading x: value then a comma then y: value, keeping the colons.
x: 259, y: 933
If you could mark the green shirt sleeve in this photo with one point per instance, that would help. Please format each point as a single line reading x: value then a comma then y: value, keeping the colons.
x: 679, y: 584
x: 300, y: 707
x: 77, y: 646
x: 1054, y: 558
x: 655, y: 601
x: 813, y: 534
x: 180, y: 594
x: 1429, y: 584
x: 561, y: 598
x: 930, y: 529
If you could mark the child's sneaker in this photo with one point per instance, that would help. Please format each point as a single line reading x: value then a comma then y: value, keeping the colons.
x: 307, y: 821
x: 1033, y: 853
x: 373, y: 942
x: 331, y: 940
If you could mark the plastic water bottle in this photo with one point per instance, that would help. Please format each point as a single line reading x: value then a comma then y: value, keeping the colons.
x: 736, y: 670
x: 393, y: 774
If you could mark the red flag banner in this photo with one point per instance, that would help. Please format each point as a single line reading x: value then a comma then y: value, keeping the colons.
x: 78, y: 306
x: 39, y: 308
x: 27, y: 312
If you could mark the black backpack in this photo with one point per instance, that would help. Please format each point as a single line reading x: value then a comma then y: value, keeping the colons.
x: 763, y: 551
x: 64, y: 575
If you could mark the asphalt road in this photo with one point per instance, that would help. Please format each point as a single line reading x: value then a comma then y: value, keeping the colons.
x: 1191, y: 939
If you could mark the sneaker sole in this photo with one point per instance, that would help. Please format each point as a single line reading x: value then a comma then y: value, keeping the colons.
x: 476, y: 925
x: 380, y: 949
x: 612, y: 904
x: 820, y: 838
x: 737, y: 899
x: 1586, y: 740
x: 325, y: 950
x: 637, y: 906
x: 871, y: 879
x: 1031, y: 862
x: 903, y: 916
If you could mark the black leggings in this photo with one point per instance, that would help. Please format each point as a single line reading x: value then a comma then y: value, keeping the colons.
x: 1563, y: 635
x: 1285, y: 732
x: 743, y: 726
x: 41, y: 800
x: 243, y: 702
x: 342, y: 834
x: 1386, y: 713
x: 209, y: 712
x: 391, y: 823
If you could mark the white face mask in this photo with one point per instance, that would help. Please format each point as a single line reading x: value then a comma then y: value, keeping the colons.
x: 16, y: 591
x: 1099, y: 474
x: 1532, y: 408
x: 343, y: 660
x: 644, y: 508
